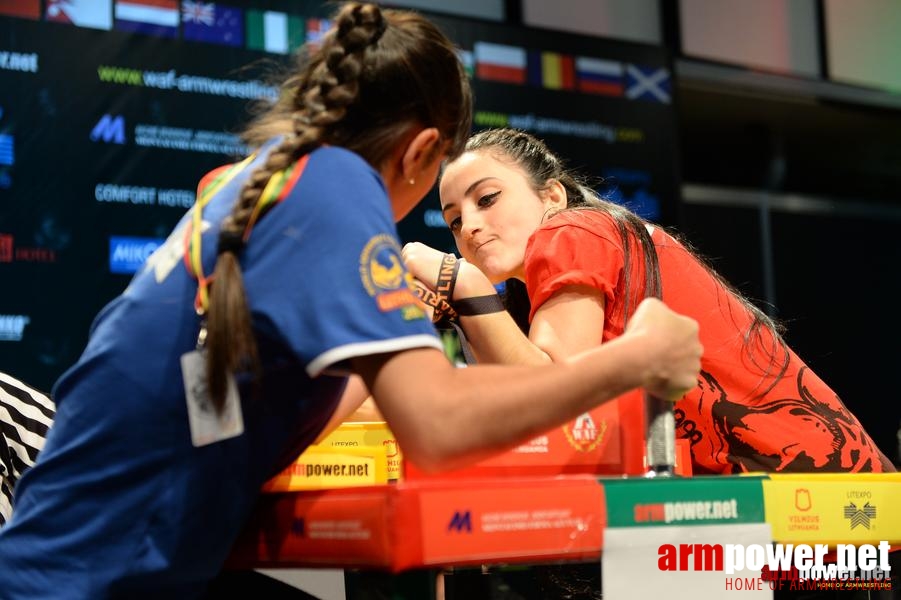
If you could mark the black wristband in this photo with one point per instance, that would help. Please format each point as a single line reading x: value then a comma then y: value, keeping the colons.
x: 479, y: 305
x: 444, y: 288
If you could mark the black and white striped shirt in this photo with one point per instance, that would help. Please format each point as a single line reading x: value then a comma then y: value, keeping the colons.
x: 25, y: 417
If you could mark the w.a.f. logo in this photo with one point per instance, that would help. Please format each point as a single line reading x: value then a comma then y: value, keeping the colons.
x: 860, y: 516
x: 584, y: 434
x: 109, y: 129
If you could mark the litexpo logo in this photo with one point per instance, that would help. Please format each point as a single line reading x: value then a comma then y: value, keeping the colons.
x: 701, y: 510
x: 780, y: 562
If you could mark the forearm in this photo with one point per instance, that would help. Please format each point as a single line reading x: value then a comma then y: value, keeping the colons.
x: 496, y: 339
x: 473, y: 413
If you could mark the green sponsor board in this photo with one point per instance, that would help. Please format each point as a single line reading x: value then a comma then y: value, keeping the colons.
x: 705, y: 500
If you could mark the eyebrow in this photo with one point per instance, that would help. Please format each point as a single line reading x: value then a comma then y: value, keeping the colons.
x: 467, y: 192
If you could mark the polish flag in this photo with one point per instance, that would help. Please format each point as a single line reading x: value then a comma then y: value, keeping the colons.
x: 497, y: 62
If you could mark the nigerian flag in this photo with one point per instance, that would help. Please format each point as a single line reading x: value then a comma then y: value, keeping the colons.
x: 273, y: 31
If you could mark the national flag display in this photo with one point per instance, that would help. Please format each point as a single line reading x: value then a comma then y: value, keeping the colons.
x: 316, y: 28
x: 96, y: 14
x: 598, y: 76
x: 272, y: 31
x: 211, y: 22
x: 551, y: 70
x: 648, y: 83
x: 27, y: 9
x: 151, y: 17
x: 498, y: 62
x: 466, y: 59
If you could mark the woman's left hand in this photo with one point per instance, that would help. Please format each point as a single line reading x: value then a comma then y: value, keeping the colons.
x: 424, y: 263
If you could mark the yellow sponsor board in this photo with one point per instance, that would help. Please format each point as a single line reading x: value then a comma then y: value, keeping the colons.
x: 321, y: 467
x: 365, y: 434
x: 834, y: 508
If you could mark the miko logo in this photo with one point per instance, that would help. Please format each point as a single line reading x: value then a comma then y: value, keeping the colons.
x: 460, y: 522
x: 109, y: 129
x: 860, y: 516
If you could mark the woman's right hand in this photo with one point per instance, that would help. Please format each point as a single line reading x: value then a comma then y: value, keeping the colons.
x: 673, y: 345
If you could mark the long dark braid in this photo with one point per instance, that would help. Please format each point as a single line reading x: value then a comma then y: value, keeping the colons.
x: 375, y: 74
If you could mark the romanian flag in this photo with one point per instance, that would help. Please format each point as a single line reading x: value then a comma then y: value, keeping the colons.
x: 273, y: 31
x: 597, y: 76
x: 27, y: 9
x: 497, y: 62
x: 151, y: 17
x: 96, y: 14
x: 552, y: 70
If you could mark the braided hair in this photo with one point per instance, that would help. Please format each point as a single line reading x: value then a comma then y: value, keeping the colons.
x: 375, y: 74
x: 540, y: 165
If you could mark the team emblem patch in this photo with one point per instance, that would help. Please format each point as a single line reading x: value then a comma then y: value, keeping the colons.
x: 385, y: 278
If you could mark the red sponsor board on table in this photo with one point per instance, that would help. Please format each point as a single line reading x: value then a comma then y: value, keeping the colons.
x: 609, y: 440
x: 427, y: 523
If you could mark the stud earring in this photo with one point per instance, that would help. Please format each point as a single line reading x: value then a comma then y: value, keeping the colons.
x: 411, y: 181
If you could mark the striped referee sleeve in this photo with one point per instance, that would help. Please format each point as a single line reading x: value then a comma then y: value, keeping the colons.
x: 25, y: 417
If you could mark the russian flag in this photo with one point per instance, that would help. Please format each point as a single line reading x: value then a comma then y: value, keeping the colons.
x: 213, y: 23
x: 597, y: 76
x: 552, y: 70
x: 497, y: 62
x: 151, y: 17
x: 96, y: 14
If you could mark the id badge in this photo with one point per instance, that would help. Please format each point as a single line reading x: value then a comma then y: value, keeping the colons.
x: 207, y: 425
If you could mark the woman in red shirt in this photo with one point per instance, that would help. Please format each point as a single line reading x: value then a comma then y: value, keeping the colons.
x: 580, y: 265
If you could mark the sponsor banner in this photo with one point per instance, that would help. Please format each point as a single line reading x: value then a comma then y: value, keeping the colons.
x: 635, y: 562
x: 696, y: 501
x: 26, y: 62
x: 324, y: 467
x: 7, y: 149
x: 12, y: 327
x: 503, y: 519
x: 128, y: 254
x: 143, y: 195
x: 834, y: 508
x: 12, y: 252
